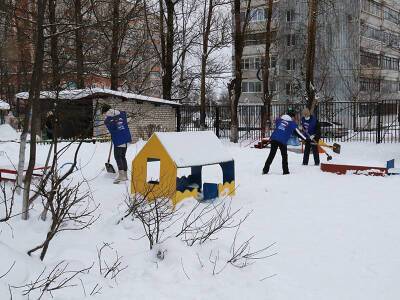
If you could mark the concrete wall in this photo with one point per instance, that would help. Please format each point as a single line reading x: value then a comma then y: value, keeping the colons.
x: 144, y: 117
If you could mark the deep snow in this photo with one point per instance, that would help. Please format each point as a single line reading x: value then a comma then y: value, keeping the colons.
x: 337, y: 237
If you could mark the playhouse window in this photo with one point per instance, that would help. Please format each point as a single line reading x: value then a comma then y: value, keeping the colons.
x: 153, y: 170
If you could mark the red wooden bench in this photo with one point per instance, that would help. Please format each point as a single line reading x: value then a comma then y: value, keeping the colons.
x: 15, y: 172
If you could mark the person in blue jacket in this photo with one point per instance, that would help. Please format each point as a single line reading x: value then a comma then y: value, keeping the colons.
x: 117, y: 124
x: 285, y: 126
x: 312, y: 130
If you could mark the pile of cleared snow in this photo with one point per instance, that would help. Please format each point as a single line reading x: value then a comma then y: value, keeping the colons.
x: 7, y: 133
x: 4, y: 105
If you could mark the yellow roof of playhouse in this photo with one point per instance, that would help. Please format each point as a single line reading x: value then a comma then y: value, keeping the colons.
x: 198, y: 148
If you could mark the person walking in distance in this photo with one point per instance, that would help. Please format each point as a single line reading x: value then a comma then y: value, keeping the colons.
x: 117, y: 125
x: 285, y: 126
x: 312, y: 130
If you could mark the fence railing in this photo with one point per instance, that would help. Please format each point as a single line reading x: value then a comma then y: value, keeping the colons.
x: 340, y: 121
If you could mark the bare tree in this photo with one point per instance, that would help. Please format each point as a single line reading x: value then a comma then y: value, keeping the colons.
x: 34, y: 98
x: 235, y: 86
x: 215, y: 31
x: 310, y: 53
x: 267, y: 96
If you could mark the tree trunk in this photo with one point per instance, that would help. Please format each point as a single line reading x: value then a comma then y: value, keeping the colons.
x: 267, y: 97
x: 310, y: 54
x: 34, y: 98
x: 54, y: 45
x: 79, y: 45
x: 236, y: 85
x: 204, y: 57
x: 169, y: 51
x: 115, y: 45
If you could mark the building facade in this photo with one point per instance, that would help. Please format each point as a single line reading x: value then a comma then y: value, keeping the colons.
x: 357, y: 51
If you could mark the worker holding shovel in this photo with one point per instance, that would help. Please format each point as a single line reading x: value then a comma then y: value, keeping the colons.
x: 117, y: 125
x: 285, y: 126
x: 312, y: 130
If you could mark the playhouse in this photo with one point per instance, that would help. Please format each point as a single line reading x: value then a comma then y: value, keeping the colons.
x: 166, y: 152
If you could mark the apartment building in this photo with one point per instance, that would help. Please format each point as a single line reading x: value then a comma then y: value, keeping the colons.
x: 357, y: 55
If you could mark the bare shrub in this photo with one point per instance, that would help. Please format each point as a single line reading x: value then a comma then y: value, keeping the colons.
x: 156, y: 216
x: 109, y: 268
x: 204, y: 221
x: 70, y: 209
x: 49, y: 282
x: 7, y: 202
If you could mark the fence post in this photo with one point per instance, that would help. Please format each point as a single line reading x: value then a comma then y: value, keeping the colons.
x: 217, y: 121
x: 378, y: 123
x: 178, y: 119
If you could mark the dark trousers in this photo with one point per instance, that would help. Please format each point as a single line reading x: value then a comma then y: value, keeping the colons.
x: 307, y: 148
x: 119, y: 155
x: 274, y: 147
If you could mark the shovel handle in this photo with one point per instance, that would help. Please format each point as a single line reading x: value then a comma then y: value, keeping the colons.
x: 109, y: 153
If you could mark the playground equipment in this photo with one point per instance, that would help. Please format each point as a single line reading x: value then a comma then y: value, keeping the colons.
x: 166, y: 152
x: 361, y: 170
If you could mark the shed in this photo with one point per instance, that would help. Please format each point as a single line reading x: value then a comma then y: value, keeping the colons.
x: 79, y: 111
x: 4, y: 107
x: 170, y: 151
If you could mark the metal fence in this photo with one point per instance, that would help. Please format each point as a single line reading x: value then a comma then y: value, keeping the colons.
x: 340, y: 121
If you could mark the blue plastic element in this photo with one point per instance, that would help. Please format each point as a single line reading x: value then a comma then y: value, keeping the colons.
x: 210, y: 191
x: 390, y: 164
x: 228, y: 171
x: 293, y: 141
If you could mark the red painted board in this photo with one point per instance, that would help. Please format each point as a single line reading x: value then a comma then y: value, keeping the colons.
x: 358, y: 170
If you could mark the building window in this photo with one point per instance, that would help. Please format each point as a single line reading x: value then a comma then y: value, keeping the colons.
x: 291, y: 40
x: 370, y: 59
x: 290, y: 15
x: 251, y: 63
x: 390, y: 63
x: 257, y: 15
x: 289, y: 89
x: 391, y: 15
x: 370, y: 85
x: 391, y: 39
x: 272, y: 86
x: 290, y: 64
x: 251, y: 87
x: 372, y: 33
x: 372, y: 7
x: 272, y: 62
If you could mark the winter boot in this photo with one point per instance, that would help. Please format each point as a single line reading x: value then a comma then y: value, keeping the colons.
x: 124, y: 176
x: 119, y: 177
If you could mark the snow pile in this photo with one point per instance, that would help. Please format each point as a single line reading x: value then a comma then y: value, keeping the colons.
x: 336, y: 236
x: 194, y: 148
x: 4, y: 105
x: 7, y: 133
x: 92, y: 92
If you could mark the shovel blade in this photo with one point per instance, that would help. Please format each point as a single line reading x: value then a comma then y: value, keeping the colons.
x: 336, y: 148
x: 110, y: 168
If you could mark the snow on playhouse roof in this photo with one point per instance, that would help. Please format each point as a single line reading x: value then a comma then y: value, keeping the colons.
x: 85, y: 93
x: 4, y: 105
x: 199, y: 148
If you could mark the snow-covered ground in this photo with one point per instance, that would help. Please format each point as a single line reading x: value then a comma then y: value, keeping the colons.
x: 336, y: 237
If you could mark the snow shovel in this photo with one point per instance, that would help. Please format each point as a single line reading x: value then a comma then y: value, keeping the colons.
x: 335, y: 147
x: 109, y: 167
x: 328, y: 157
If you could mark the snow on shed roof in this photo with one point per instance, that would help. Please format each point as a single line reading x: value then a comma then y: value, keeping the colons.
x: 85, y: 93
x: 199, y: 148
x: 4, y: 105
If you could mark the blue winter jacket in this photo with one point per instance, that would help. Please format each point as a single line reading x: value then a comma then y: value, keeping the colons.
x: 311, y: 126
x: 118, y: 128
x: 284, y: 128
